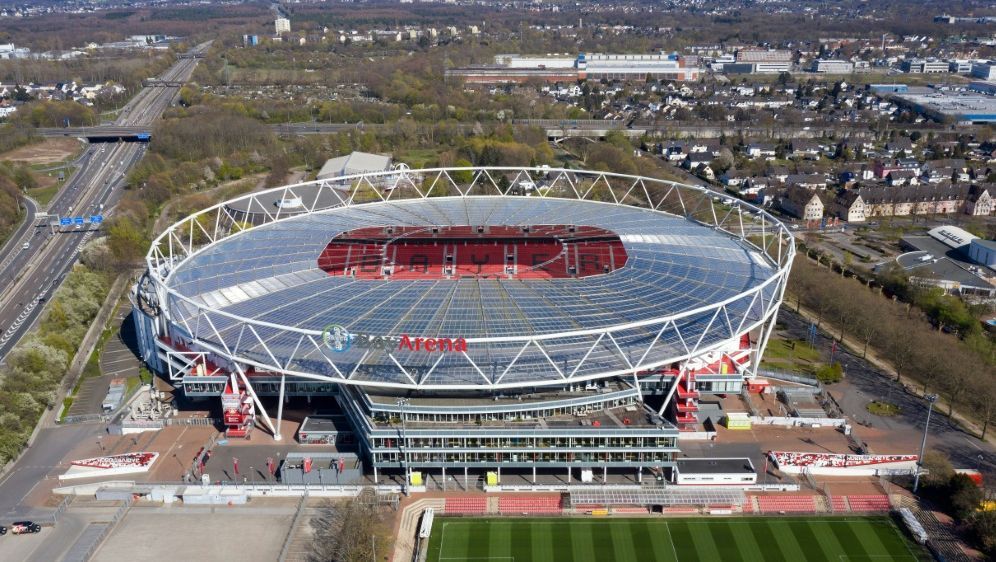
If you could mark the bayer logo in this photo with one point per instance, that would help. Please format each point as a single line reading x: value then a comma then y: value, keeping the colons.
x: 337, y: 338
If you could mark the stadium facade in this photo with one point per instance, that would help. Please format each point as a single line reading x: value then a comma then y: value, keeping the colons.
x: 470, y: 319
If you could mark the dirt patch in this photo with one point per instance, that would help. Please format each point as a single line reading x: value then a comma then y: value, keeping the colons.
x: 48, y: 151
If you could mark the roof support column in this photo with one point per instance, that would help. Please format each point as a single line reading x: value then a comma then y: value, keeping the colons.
x: 280, y: 408
x: 245, y: 381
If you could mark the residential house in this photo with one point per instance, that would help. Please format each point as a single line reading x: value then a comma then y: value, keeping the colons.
x: 897, y: 178
x: 803, y: 204
x: 698, y: 163
x: 807, y: 181
x: 900, y: 147
x: 734, y: 179
x: 979, y: 202
x: 805, y: 148
x: 849, y: 206
x: 765, y: 150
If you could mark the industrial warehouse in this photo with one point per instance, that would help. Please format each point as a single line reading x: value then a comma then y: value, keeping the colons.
x: 584, y: 66
x: 569, y: 330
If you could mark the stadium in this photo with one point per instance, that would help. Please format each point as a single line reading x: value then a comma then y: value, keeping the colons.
x: 526, y: 320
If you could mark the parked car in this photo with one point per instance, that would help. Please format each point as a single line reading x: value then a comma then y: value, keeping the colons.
x: 24, y: 527
x: 3, y: 530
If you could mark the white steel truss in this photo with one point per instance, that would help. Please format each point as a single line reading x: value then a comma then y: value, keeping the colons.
x: 249, y: 342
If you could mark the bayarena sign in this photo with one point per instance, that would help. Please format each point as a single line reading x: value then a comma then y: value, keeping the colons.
x: 338, y: 339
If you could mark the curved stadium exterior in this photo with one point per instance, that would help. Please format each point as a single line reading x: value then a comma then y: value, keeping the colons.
x: 525, y: 318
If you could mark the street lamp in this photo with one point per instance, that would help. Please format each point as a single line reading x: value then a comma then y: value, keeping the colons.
x: 931, y: 398
x: 402, y: 402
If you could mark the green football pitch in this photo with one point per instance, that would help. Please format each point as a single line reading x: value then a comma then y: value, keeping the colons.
x: 780, y: 539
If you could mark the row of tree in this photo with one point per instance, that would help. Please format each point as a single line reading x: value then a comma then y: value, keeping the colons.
x: 33, y: 370
x: 961, y: 370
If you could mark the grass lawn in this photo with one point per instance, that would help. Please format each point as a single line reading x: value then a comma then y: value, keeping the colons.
x: 43, y: 195
x: 418, y: 157
x: 882, y: 408
x: 791, y: 356
x: 783, y: 539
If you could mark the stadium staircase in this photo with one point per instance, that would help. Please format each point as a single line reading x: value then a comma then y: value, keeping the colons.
x: 839, y: 504
x: 239, y: 411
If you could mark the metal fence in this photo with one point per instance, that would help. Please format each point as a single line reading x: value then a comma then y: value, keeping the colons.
x: 88, y: 551
x: 293, y: 527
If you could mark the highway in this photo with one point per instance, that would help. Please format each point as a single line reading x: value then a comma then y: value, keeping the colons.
x: 28, y: 276
x: 591, y: 128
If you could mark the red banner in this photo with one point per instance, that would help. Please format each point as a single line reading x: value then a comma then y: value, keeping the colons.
x: 307, y: 465
x: 235, y: 464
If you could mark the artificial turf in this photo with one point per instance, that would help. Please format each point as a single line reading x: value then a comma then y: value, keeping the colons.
x: 779, y: 539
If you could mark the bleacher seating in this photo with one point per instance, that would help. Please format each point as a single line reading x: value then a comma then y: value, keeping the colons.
x: 788, y: 504
x: 869, y: 503
x: 530, y: 504
x: 537, y: 252
x: 470, y: 505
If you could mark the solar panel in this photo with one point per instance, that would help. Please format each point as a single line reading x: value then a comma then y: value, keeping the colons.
x: 270, y: 274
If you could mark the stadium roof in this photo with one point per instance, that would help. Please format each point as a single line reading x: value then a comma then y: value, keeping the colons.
x: 698, y: 273
x: 271, y: 273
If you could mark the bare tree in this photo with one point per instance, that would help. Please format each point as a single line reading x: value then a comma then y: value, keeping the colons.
x: 354, y: 530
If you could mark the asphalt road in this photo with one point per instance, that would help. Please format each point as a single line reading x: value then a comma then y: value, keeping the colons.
x: 866, y: 383
x: 28, y: 277
x: 31, y: 275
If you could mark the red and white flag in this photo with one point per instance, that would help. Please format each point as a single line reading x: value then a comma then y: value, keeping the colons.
x: 307, y: 465
x: 235, y: 464
x: 270, y: 465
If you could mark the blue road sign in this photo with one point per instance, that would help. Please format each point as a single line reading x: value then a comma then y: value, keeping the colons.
x: 65, y: 221
x: 78, y: 220
x: 96, y: 219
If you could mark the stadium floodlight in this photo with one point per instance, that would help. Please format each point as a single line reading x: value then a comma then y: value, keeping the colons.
x: 931, y: 398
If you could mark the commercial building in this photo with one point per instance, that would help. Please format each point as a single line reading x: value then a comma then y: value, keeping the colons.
x: 468, y: 328
x: 984, y: 70
x: 960, y: 66
x: 955, y: 106
x: 944, y: 259
x: 511, y: 68
x: 925, y: 66
x: 983, y: 252
x: 354, y: 163
x: 762, y: 61
x: 828, y: 66
x: 282, y: 25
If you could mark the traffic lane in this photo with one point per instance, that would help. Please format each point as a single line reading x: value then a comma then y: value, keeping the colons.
x: 44, y: 458
x: 865, y: 382
x: 40, y: 284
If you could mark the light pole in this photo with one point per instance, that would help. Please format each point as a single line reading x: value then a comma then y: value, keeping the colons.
x: 931, y: 398
x: 402, y: 402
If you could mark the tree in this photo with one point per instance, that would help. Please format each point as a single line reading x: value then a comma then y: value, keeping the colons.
x: 354, y: 530
x: 964, y: 495
x: 938, y: 470
x: 462, y: 177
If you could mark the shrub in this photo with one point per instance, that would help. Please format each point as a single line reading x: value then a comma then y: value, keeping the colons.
x: 829, y: 374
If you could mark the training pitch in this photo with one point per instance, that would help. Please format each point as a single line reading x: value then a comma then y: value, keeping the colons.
x: 781, y: 539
